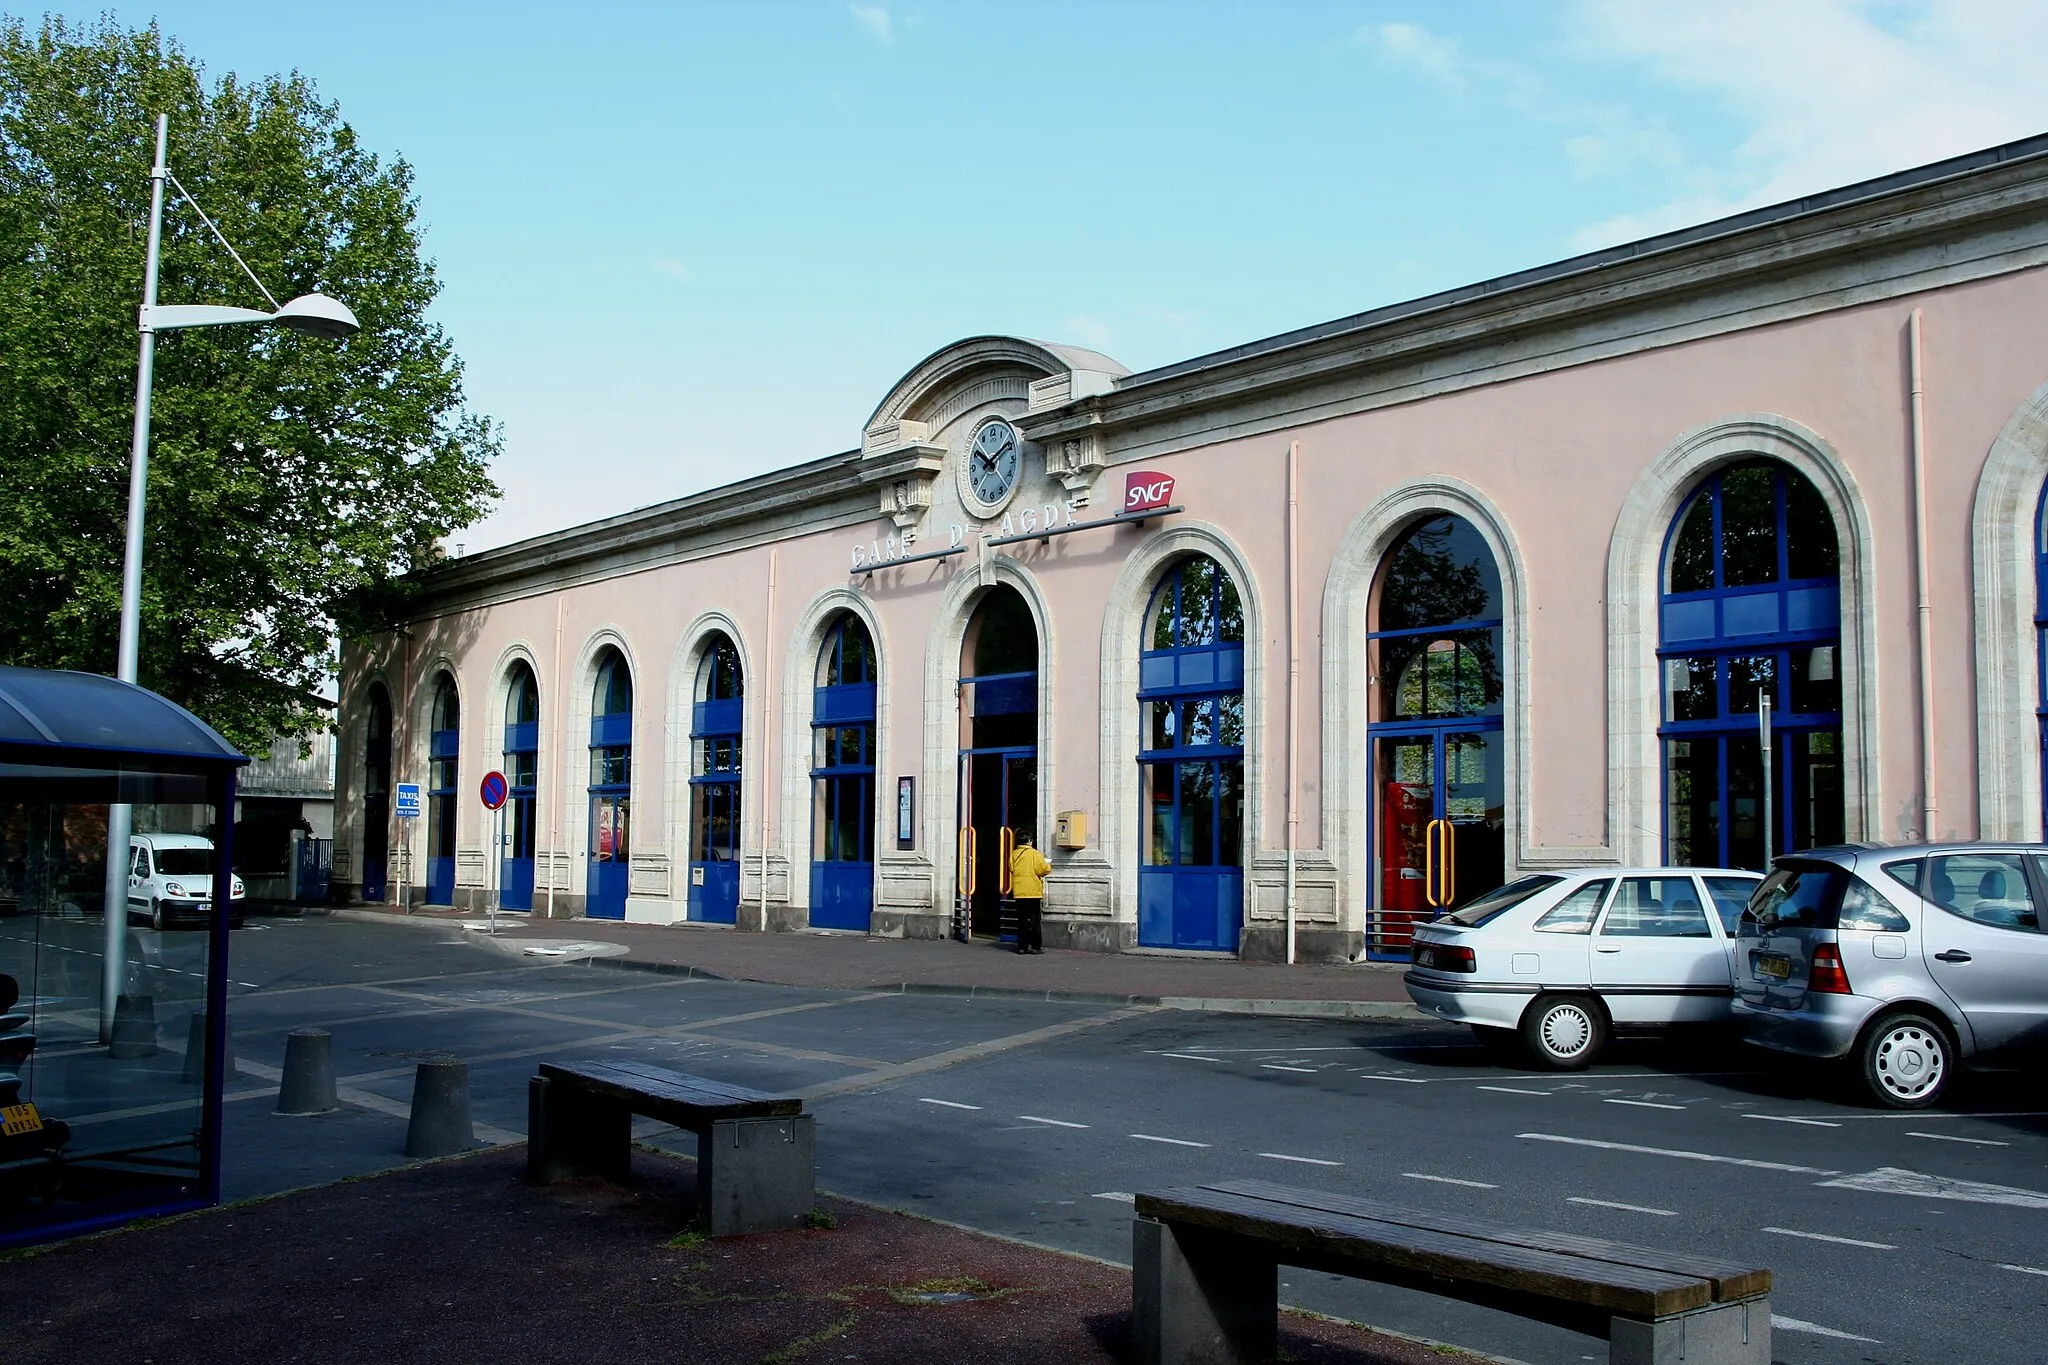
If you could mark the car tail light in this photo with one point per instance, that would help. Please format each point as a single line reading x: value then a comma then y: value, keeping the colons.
x: 1446, y: 957
x: 1826, y: 974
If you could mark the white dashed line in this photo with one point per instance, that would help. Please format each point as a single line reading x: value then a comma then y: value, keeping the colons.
x: 1405, y: 1080
x: 1676, y: 1152
x: 1304, y: 1160
x: 1838, y: 1241
x: 1116, y: 1197
x: 1190, y: 1057
x: 1271, y: 1066
x: 1949, y: 1137
x: 2023, y: 1269
x: 1626, y: 1208
x: 1057, y: 1123
x: 1509, y: 1090
x: 1785, y: 1324
x: 1178, y: 1142
x: 950, y: 1104
x: 1646, y: 1104
x: 1782, y: 1118
x: 1448, y: 1180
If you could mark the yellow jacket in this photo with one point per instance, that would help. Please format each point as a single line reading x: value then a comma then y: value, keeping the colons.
x: 1027, y: 873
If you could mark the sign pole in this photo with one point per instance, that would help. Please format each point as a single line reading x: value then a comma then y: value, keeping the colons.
x: 1763, y: 721
x: 493, y: 790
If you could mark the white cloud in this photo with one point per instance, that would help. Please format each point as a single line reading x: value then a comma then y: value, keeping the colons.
x: 671, y: 267
x: 1412, y: 45
x: 1827, y: 92
x: 1090, y: 331
x: 875, y: 19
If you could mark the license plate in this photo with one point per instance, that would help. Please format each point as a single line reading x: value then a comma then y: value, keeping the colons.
x: 16, y: 1119
x: 1776, y: 966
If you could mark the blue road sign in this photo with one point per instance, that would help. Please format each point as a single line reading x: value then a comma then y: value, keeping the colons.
x: 493, y: 790
x: 406, y: 804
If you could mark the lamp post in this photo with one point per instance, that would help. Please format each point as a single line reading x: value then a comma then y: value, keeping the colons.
x: 314, y: 314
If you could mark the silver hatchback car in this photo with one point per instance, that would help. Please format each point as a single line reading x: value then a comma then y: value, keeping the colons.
x: 1909, y: 960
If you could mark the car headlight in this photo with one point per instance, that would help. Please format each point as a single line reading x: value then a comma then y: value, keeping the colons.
x: 173, y: 889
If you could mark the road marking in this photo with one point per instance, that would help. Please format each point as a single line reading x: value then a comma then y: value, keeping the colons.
x: 1783, y: 1118
x: 950, y: 1104
x: 1116, y: 1197
x: 1448, y: 1180
x: 939, y: 1061
x: 1950, y: 1137
x: 1304, y: 1160
x: 1646, y: 1104
x: 1838, y: 1241
x: 1894, y: 1180
x: 2023, y: 1269
x: 1178, y: 1142
x: 1509, y: 1090
x: 1626, y: 1208
x: 1405, y: 1080
x: 1190, y: 1057
x: 1679, y: 1153
x: 1057, y: 1123
x: 1784, y: 1324
x: 1271, y: 1066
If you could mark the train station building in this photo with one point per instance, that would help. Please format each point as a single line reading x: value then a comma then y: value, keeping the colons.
x: 1723, y: 542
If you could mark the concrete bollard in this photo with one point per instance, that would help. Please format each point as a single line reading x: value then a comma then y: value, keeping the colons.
x: 440, y: 1110
x: 134, y: 1027
x: 308, y: 1083
x: 195, y: 1051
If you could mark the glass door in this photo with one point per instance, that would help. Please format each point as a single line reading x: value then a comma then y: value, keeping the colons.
x: 1442, y: 829
x: 998, y: 797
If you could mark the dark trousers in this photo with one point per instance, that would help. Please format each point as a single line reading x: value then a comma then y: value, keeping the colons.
x: 1029, y: 936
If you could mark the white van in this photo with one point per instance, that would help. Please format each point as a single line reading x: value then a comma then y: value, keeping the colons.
x: 170, y: 877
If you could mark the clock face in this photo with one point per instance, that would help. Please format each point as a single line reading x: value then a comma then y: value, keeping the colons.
x: 994, y: 460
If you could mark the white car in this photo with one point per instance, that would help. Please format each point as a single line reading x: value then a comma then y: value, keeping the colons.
x: 170, y: 877
x: 1565, y: 958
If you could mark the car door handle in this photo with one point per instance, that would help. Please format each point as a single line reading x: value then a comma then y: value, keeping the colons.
x: 1952, y: 955
x: 1607, y: 950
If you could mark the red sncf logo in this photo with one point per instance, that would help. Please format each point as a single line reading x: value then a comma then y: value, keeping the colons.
x: 1146, y: 490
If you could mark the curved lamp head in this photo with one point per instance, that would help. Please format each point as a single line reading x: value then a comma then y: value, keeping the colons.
x: 317, y: 315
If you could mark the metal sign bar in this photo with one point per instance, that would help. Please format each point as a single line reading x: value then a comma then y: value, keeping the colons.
x: 1120, y: 519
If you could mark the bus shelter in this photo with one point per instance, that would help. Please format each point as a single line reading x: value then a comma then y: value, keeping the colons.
x: 112, y: 1031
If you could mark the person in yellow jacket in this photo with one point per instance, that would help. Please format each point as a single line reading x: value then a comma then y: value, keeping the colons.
x: 1027, y: 889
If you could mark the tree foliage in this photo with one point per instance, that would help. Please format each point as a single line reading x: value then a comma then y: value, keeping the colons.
x: 294, y: 480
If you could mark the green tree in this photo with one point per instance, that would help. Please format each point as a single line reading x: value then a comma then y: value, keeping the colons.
x: 294, y: 481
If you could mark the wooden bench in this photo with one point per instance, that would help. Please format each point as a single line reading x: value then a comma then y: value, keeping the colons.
x: 1206, y: 1258
x: 755, y: 1151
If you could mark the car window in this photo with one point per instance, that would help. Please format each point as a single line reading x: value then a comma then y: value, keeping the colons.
x: 1575, y: 913
x: 1730, y: 895
x: 1906, y: 873
x: 1990, y: 888
x: 1797, y: 897
x: 1500, y: 900
x: 1656, y: 907
x: 184, y: 862
x: 1864, y: 907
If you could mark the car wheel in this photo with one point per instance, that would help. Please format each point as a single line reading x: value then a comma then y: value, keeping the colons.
x: 156, y: 914
x: 1565, y: 1032
x: 1906, y: 1061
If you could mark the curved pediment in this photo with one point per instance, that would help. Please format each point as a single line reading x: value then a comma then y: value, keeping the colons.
x: 986, y: 369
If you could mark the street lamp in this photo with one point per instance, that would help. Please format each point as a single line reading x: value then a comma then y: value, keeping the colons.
x: 313, y: 314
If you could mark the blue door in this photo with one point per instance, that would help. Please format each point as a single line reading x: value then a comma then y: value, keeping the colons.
x: 715, y: 724
x: 443, y: 753
x: 611, y: 801
x: 843, y: 780
x: 1191, y: 883
x: 522, y: 770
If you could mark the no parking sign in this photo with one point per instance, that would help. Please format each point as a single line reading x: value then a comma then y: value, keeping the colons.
x: 493, y: 790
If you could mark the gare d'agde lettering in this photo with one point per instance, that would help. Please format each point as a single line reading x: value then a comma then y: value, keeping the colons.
x: 1282, y: 648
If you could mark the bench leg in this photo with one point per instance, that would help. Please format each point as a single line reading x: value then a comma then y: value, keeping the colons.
x: 572, y: 1134
x: 1726, y: 1334
x: 1201, y: 1298
x: 756, y: 1175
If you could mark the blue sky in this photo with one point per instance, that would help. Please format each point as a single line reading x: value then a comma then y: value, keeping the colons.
x: 685, y: 243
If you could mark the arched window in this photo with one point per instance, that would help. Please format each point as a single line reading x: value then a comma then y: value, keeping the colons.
x: 1191, y: 761
x: 522, y: 772
x: 377, y: 796
x: 1750, y: 639
x: 611, y: 787
x: 715, y: 785
x: 843, y: 778
x: 1436, y: 731
x: 444, y: 750
x: 998, y: 777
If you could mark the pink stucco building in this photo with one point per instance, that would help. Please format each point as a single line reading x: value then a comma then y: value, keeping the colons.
x: 1443, y: 593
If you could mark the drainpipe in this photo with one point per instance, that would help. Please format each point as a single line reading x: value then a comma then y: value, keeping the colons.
x: 1293, y: 681
x: 555, y: 749
x: 1923, y: 606
x: 766, y: 760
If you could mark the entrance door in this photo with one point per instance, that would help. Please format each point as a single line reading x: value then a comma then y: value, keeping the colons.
x: 1442, y: 823
x: 998, y: 796
x: 610, y: 855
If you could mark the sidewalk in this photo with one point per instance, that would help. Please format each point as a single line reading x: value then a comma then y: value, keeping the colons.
x: 460, y: 1262
x: 857, y: 962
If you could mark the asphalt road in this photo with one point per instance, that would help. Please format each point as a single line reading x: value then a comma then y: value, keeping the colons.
x: 1895, y: 1238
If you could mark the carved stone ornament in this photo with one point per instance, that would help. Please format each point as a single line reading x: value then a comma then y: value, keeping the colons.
x: 1075, y: 461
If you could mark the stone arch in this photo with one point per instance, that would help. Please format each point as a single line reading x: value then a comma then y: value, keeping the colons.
x: 572, y: 782
x: 690, y: 649
x: 1635, y: 808
x: 800, y: 667
x: 2008, y: 677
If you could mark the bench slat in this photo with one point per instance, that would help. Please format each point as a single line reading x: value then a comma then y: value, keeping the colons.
x: 686, y: 1101
x: 1628, y: 1290
x: 1731, y: 1279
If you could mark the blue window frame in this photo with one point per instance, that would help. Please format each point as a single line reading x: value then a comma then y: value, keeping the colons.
x: 843, y: 779
x: 611, y: 788
x: 522, y: 772
x: 1750, y: 608
x: 715, y: 768
x: 444, y: 752
x: 1191, y: 761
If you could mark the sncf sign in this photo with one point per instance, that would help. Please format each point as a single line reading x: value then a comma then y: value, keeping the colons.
x: 1144, y: 491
